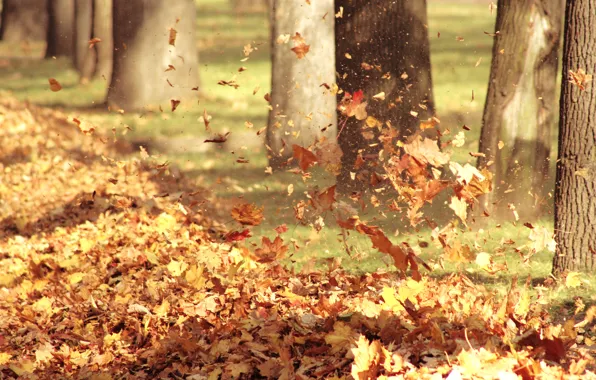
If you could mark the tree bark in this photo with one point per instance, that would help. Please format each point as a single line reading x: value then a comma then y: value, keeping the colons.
x: 142, y: 53
x: 520, y: 104
x: 381, y: 46
x: 23, y: 20
x: 247, y: 6
x: 84, y: 59
x: 303, y: 106
x: 575, y: 193
x: 102, y: 28
x: 60, y: 36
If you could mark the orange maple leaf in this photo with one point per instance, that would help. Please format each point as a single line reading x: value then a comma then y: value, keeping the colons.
x: 300, y: 46
x: 248, y: 214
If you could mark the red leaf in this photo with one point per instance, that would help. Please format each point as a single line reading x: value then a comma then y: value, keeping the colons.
x: 305, y: 157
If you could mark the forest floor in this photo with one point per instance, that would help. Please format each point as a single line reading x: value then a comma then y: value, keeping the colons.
x: 235, y: 172
x: 237, y: 169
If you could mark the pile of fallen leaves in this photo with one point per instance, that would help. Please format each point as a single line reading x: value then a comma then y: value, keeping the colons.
x: 108, y: 269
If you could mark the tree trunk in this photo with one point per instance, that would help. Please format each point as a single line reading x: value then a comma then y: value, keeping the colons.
x: 303, y: 108
x: 23, y: 20
x: 575, y: 193
x: 247, y: 6
x: 520, y: 105
x: 142, y: 53
x: 102, y: 28
x: 84, y: 58
x: 381, y: 46
x: 60, y: 28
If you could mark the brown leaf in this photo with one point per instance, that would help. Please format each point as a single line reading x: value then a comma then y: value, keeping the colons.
x: 300, y: 47
x: 94, y: 41
x: 271, y: 250
x: 426, y: 151
x: 175, y: 103
x: 305, y: 157
x: 172, y: 37
x: 54, y: 85
x: 248, y: 214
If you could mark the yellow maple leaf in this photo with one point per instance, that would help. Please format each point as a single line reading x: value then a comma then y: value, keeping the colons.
x: 75, y: 278
x: 86, y: 244
x: 43, y: 305
x: 43, y: 353
x: 390, y: 299
x: 573, y: 280
x: 4, y: 358
x: 165, y: 222
x: 176, y: 268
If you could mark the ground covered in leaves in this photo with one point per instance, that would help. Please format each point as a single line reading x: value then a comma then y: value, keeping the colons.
x: 112, y: 265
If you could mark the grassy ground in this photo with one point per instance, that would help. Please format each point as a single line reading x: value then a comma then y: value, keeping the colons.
x: 460, y: 74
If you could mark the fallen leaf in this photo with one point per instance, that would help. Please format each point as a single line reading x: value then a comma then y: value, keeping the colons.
x: 54, y: 85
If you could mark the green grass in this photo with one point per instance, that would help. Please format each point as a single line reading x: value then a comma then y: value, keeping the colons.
x: 222, y: 33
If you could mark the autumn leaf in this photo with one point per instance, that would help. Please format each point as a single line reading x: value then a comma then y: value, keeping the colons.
x: 218, y: 138
x: 84, y: 127
x: 206, y: 119
x: 248, y: 214
x: 305, y: 157
x: 426, y: 151
x: 324, y: 200
x: 459, y: 206
x: 237, y: 235
x: 271, y: 250
x: 580, y: 78
x: 172, y: 37
x: 282, y: 228
x: 174, y: 103
x: 94, y: 41
x: 300, y: 47
x: 353, y: 105
x: 573, y: 280
x: 54, y: 85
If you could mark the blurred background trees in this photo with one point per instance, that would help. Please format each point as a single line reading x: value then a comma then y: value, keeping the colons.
x: 382, y: 49
x: 155, y: 53
x: 60, y: 31
x: 521, y: 106
x: 23, y: 20
x: 302, y: 102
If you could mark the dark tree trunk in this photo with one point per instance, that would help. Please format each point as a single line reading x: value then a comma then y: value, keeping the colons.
x: 60, y: 28
x: 102, y: 28
x: 520, y: 104
x: 575, y: 193
x: 24, y: 20
x: 381, y: 46
x: 142, y: 53
x: 302, y: 108
x: 84, y: 58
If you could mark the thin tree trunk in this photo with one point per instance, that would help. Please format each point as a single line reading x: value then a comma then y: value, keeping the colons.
x: 60, y: 28
x: 520, y: 105
x: 381, y: 46
x: 23, y: 20
x: 142, y: 75
x: 303, y: 106
x: 84, y: 63
x: 102, y: 28
x: 575, y: 193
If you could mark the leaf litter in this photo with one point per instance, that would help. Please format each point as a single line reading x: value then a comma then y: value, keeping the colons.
x: 113, y: 265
